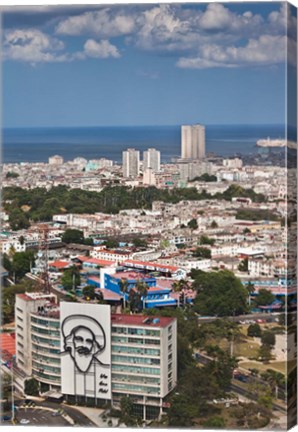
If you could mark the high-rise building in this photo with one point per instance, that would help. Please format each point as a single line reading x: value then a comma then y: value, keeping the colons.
x: 131, y: 163
x: 151, y: 159
x: 38, y: 338
x: 192, y: 141
x: 133, y: 355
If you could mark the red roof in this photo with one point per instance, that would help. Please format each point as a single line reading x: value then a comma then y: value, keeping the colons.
x: 99, y: 262
x: 24, y: 297
x: 109, y: 295
x: 141, y: 320
x: 8, y: 343
x: 60, y: 264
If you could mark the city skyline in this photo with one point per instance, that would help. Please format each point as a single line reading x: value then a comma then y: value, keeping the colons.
x: 96, y: 66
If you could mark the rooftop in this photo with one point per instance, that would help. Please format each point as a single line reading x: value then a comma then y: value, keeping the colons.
x: 141, y: 320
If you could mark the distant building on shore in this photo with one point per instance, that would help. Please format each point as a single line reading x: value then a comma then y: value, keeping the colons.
x: 193, y: 141
x: 151, y: 159
x: 131, y: 163
x: 56, y: 160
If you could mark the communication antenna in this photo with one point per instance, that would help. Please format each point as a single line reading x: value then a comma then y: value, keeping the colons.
x: 43, y: 248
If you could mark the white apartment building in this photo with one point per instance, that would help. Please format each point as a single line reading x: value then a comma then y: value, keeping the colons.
x: 38, y: 338
x: 9, y: 245
x: 56, y: 160
x: 108, y: 255
x: 193, y: 141
x: 151, y: 159
x: 143, y: 351
x: 149, y: 177
x: 267, y: 267
x: 131, y: 163
x: 233, y: 163
x: 144, y: 360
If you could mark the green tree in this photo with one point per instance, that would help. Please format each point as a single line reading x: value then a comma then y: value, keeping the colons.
x: 127, y: 412
x: 89, y: 292
x: 18, y: 220
x: 7, y: 264
x: 123, y: 284
x: 32, y: 387
x: 250, y: 289
x: 268, y: 338
x: 214, y: 224
x: 202, y: 252
x: 205, y: 240
x: 73, y: 236
x: 219, y: 293
x: 193, y: 224
x: 264, y: 353
x: 264, y: 297
x: 11, y: 174
x: 139, y: 243
x: 22, y: 262
x: 111, y: 243
x: 243, y: 265
x: 142, y: 289
x: 71, y: 278
x: 254, y: 330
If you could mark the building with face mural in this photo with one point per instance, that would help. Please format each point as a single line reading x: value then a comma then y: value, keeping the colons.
x: 91, y: 356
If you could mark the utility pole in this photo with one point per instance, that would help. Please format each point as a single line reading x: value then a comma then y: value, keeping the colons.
x: 12, y: 398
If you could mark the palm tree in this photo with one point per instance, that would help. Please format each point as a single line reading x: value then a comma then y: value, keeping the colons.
x: 124, y: 289
x: 251, y: 289
x: 142, y: 288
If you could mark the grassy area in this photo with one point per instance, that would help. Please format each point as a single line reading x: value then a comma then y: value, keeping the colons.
x: 275, y: 365
x: 243, y: 348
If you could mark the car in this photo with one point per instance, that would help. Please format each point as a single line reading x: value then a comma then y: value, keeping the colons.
x: 5, y: 418
x: 24, y: 421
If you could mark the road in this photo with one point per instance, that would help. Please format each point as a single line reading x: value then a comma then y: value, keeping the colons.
x: 254, y: 316
x: 79, y: 418
x: 236, y: 387
x: 239, y: 387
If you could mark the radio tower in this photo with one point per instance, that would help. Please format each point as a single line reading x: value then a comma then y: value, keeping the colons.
x: 43, y: 247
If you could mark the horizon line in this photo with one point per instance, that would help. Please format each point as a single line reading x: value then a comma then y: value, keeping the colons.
x: 144, y: 125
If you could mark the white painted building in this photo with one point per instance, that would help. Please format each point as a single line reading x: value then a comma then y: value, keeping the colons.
x: 38, y: 337
x: 151, y: 159
x: 131, y: 163
x: 9, y: 245
x: 193, y: 141
x: 56, y: 160
x: 109, y: 255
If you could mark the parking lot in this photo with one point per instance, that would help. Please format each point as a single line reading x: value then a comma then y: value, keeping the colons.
x: 39, y: 417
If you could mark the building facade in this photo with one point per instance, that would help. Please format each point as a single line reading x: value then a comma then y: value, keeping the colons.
x: 131, y: 163
x: 38, y: 338
x: 140, y: 352
x: 56, y: 160
x: 151, y: 159
x: 193, y: 141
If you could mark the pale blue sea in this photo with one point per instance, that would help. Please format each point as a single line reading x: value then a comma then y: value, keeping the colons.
x: 37, y: 144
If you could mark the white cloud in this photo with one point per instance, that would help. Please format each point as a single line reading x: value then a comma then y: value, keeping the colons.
x: 265, y: 50
x: 102, y: 49
x: 32, y: 46
x: 102, y: 23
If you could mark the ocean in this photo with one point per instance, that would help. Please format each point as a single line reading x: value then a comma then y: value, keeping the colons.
x: 37, y: 144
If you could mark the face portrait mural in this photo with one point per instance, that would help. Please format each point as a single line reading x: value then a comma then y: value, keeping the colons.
x: 86, y: 350
x: 84, y: 340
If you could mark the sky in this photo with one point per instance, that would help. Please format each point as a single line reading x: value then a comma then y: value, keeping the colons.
x: 152, y: 64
